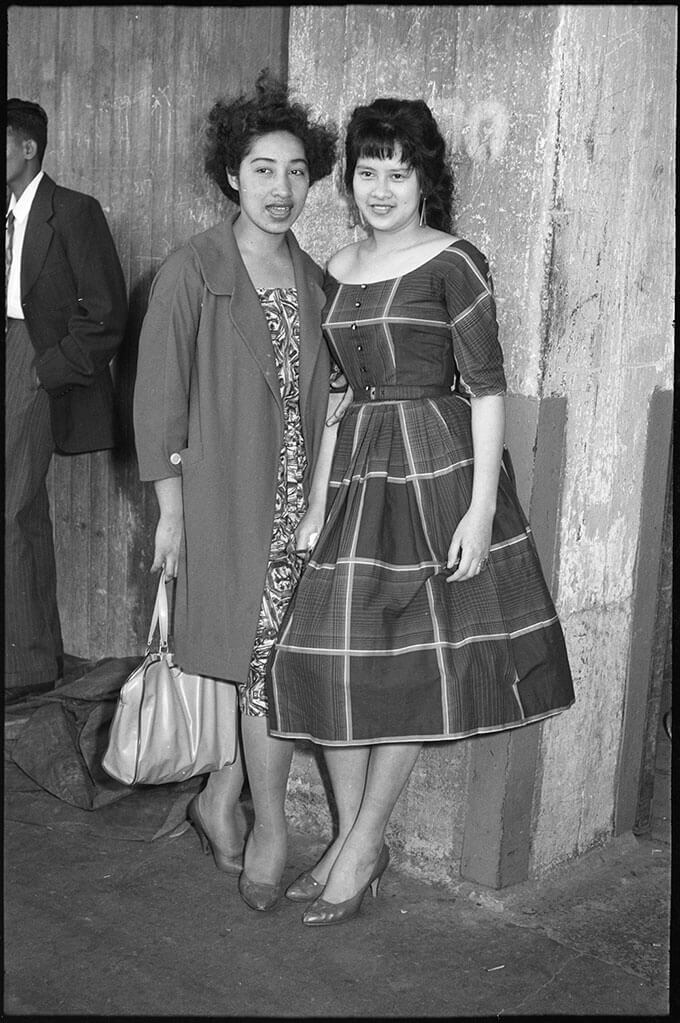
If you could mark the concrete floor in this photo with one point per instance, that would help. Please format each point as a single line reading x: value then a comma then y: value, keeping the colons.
x: 106, y: 914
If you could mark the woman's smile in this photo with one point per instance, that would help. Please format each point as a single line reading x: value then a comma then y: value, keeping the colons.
x: 280, y: 211
x: 272, y: 182
x: 386, y: 191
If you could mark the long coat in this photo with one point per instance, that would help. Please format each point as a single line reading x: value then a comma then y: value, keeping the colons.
x: 207, y: 406
x: 74, y: 302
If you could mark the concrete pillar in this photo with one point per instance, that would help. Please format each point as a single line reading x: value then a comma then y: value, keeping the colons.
x: 560, y: 121
x: 608, y: 347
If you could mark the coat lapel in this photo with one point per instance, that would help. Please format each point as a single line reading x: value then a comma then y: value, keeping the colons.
x: 250, y: 321
x: 39, y: 234
x: 311, y: 299
x: 225, y: 274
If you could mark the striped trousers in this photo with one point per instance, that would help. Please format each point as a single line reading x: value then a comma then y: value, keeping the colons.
x: 33, y: 643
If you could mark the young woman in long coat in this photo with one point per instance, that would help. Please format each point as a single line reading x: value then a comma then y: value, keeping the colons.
x: 231, y: 398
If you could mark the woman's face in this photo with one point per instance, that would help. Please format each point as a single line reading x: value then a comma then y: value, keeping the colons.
x: 386, y: 192
x: 272, y: 182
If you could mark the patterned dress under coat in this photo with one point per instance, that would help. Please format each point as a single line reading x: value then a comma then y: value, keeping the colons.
x: 376, y: 645
x: 283, y: 567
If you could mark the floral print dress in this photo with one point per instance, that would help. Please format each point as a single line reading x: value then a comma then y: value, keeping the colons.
x: 280, y: 307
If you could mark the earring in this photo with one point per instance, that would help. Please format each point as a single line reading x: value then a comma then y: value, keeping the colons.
x: 362, y: 220
x: 423, y: 218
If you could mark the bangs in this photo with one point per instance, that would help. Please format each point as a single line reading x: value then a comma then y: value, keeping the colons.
x: 383, y: 145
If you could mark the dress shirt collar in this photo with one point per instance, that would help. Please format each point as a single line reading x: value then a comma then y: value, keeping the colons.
x: 22, y: 207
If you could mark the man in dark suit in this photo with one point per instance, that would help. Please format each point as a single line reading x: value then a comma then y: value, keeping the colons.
x: 65, y: 315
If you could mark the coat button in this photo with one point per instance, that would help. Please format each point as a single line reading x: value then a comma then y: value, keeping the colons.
x: 360, y: 348
x: 354, y: 326
x: 176, y: 458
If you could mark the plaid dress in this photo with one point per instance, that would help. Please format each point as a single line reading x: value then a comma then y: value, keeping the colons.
x: 376, y: 645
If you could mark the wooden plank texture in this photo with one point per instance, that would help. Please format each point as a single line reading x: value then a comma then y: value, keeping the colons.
x: 126, y: 90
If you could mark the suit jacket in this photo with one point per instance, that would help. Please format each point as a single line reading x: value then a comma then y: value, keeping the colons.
x: 208, y: 408
x: 75, y: 308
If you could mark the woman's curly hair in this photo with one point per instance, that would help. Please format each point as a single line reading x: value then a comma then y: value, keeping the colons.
x: 385, y: 125
x: 234, y: 126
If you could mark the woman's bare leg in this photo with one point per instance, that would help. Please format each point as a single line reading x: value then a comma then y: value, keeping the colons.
x: 389, y: 768
x: 267, y: 761
x: 218, y: 807
x: 347, y: 766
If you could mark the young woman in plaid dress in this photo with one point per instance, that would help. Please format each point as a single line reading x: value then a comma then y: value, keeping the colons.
x: 423, y: 614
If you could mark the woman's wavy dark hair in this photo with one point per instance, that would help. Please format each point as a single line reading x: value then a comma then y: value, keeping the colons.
x: 385, y: 125
x: 235, y: 125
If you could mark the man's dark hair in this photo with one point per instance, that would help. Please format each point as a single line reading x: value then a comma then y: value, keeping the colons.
x: 28, y: 121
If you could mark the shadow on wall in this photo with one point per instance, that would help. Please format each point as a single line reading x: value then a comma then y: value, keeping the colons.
x: 125, y: 369
x: 136, y: 498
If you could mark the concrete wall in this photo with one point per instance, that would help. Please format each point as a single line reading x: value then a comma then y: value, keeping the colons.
x: 561, y: 125
x: 609, y: 346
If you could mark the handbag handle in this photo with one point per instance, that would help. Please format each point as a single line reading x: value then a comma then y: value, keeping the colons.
x: 160, y: 617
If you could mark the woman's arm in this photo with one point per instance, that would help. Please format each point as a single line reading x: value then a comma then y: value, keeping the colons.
x: 338, y: 403
x: 312, y: 521
x: 170, y: 525
x: 472, y: 537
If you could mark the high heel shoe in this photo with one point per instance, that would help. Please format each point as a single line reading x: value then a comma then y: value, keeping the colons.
x: 305, y: 888
x: 323, y: 914
x: 258, y: 895
x: 262, y: 897
x: 227, y: 864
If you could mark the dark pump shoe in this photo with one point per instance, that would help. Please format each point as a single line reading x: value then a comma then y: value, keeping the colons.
x: 262, y: 897
x: 305, y: 888
x: 325, y: 914
x: 227, y: 864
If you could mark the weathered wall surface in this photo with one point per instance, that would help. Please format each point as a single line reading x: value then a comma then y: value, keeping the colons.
x: 608, y: 346
x: 126, y: 90
x: 560, y: 121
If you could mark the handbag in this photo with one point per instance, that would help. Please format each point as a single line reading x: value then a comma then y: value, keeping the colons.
x: 169, y: 725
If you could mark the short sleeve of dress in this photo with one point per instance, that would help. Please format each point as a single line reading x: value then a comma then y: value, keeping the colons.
x: 471, y: 305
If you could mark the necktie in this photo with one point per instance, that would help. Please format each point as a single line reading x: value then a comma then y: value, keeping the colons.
x: 9, y: 239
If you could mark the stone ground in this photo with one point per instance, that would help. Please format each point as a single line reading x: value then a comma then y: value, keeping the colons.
x: 106, y: 914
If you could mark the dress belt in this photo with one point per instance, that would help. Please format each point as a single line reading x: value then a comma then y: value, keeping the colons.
x: 399, y: 392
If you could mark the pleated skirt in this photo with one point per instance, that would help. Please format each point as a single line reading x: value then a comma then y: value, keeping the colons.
x: 376, y: 645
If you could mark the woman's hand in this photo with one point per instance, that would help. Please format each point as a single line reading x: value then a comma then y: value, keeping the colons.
x: 469, y: 549
x: 307, y: 532
x: 471, y: 540
x: 344, y: 400
x: 167, y: 546
x: 311, y: 523
x: 170, y: 526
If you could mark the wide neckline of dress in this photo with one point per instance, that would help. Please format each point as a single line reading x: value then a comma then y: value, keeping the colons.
x: 264, y: 290
x: 397, y: 277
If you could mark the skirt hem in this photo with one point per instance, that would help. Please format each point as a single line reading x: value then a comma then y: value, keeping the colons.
x: 421, y: 738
